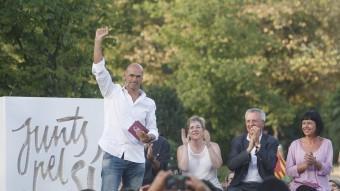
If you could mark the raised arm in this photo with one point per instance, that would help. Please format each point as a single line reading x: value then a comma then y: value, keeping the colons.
x: 103, y: 76
x: 97, y: 52
x: 214, y: 151
x: 182, y: 153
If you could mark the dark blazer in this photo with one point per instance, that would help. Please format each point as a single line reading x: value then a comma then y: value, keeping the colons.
x: 239, y: 158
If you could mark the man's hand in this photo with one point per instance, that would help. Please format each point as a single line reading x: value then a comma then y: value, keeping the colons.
x: 254, y: 138
x: 251, y: 144
x: 143, y: 137
x: 256, y: 134
x: 149, y: 153
x: 101, y: 33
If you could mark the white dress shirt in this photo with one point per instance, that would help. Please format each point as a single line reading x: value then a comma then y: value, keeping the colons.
x: 253, y: 173
x: 120, y: 112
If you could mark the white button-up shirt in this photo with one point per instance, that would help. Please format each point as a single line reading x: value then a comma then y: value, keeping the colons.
x: 120, y: 112
x: 253, y: 173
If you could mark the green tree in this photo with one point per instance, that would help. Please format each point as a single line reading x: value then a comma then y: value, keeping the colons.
x: 332, y: 111
x: 231, y: 56
x: 170, y: 111
x: 46, y: 47
x: 212, y: 58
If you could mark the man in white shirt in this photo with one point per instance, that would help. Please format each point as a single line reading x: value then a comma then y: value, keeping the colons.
x: 252, y: 155
x: 123, y: 160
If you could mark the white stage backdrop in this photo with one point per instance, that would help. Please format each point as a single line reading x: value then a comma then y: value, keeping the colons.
x: 50, y: 143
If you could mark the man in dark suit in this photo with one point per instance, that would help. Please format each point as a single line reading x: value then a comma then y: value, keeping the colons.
x: 252, y: 155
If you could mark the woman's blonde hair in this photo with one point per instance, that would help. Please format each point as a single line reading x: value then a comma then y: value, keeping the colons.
x: 199, y: 119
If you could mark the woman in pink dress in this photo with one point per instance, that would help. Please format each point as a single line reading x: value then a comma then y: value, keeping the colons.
x: 309, y: 159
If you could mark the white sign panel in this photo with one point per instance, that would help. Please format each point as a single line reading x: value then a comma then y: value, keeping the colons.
x: 50, y: 144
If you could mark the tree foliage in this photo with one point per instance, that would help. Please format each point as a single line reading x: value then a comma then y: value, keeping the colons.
x: 229, y: 57
x: 170, y: 111
x: 46, y: 47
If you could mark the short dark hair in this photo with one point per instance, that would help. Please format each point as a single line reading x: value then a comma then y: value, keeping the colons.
x: 314, y: 116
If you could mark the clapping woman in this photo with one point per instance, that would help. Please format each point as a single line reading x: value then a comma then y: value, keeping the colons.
x: 198, y: 156
x: 309, y: 159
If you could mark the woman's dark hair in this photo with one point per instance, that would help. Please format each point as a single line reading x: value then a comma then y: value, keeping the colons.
x: 314, y: 116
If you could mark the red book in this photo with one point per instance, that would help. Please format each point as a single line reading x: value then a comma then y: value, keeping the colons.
x: 135, y: 127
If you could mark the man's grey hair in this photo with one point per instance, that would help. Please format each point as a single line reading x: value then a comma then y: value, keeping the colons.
x: 257, y: 110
